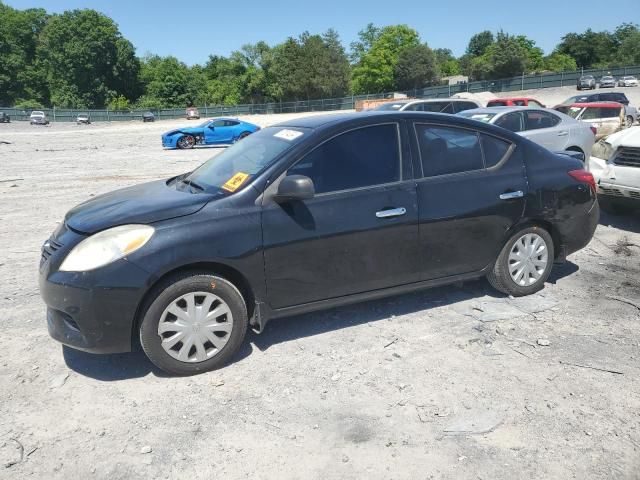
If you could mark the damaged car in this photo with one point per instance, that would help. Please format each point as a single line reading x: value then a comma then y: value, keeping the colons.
x: 218, y: 131
x: 310, y: 214
x: 615, y: 165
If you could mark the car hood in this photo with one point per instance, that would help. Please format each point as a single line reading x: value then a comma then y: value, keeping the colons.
x: 629, y: 137
x: 189, y: 130
x: 144, y: 204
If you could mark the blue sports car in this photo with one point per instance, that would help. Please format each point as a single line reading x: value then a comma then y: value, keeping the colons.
x: 217, y: 131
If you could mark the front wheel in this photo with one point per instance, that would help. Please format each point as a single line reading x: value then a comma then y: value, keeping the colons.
x: 629, y: 121
x: 524, y: 263
x: 186, y: 141
x: 195, y: 324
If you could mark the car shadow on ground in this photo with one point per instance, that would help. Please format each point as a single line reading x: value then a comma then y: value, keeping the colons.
x: 628, y: 221
x: 124, y: 366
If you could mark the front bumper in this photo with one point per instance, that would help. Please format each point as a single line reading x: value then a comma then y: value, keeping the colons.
x: 92, y: 311
x: 615, y: 180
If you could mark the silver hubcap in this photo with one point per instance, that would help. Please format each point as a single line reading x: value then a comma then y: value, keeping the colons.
x: 528, y: 259
x: 195, y: 327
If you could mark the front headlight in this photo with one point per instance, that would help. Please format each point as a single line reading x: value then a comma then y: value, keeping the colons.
x: 603, y: 150
x: 106, y: 247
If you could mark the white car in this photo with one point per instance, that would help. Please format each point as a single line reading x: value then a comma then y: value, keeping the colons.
x: 628, y: 81
x: 615, y: 165
x: 38, y: 118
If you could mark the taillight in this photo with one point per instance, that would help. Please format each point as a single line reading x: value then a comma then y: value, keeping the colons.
x: 594, y: 129
x: 584, y: 177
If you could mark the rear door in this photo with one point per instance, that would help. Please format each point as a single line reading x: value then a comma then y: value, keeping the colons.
x: 545, y: 129
x: 472, y: 192
x: 358, y: 233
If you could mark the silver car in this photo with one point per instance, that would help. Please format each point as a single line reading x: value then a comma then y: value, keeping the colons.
x: 553, y: 130
x: 607, y: 82
x: 433, y: 105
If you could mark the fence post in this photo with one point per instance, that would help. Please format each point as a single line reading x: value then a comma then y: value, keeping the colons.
x: 561, y: 78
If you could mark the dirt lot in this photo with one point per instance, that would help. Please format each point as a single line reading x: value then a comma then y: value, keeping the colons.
x: 453, y: 383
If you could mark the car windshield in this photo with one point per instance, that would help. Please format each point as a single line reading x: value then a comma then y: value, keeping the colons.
x: 204, y: 124
x: 238, y: 164
x: 587, y: 77
x: 576, y: 99
x: 573, y: 112
x: 391, y: 106
x: 484, y: 117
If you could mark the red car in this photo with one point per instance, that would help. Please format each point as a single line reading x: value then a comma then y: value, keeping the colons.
x: 515, y: 102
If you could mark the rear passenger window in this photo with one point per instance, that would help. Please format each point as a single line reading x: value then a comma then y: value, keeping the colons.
x: 446, y: 150
x: 462, y: 106
x: 535, y: 120
x: 360, y: 158
x: 438, y: 107
x: 493, y: 149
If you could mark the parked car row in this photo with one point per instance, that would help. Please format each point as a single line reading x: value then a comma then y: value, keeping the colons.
x: 588, y: 82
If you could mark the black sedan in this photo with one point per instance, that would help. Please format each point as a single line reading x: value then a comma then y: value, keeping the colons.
x: 310, y: 214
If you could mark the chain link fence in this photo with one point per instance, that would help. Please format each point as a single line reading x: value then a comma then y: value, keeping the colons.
x: 523, y: 82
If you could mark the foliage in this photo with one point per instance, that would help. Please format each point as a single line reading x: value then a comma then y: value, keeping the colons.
x: 479, y: 43
x: 80, y: 59
x: 375, y: 72
x: 84, y: 59
x: 447, y: 63
x: 416, y: 67
x: 560, y: 62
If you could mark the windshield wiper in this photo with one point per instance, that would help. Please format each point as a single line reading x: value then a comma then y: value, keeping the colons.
x: 193, y: 184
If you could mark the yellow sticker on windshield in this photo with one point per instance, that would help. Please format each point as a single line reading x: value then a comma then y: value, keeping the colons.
x: 234, y: 182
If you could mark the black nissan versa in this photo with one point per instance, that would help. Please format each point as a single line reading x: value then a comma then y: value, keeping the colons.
x: 312, y: 213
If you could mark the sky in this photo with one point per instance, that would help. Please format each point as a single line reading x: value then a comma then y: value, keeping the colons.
x: 193, y: 30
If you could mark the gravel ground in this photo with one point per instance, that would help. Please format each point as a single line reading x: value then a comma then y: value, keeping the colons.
x: 453, y: 383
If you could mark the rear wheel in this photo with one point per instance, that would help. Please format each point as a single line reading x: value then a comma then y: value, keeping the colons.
x: 186, y: 141
x: 524, y: 263
x: 629, y: 121
x: 242, y: 135
x: 195, y: 324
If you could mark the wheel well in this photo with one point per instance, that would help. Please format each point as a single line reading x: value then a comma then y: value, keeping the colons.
x: 209, y: 268
x: 575, y: 149
x: 555, y: 235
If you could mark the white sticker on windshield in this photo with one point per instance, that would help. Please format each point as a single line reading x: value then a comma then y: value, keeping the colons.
x: 288, y: 135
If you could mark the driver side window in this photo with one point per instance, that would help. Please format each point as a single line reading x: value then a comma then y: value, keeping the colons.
x: 217, y: 123
x: 510, y: 121
x: 359, y: 158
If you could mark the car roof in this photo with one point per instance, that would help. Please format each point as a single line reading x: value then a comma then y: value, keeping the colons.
x: 505, y: 108
x: 512, y: 98
x: 595, y: 104
x: 370, y: 117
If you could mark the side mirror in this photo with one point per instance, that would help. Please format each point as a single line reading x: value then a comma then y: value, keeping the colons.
x: 295, y: 187
x: 211, y: 127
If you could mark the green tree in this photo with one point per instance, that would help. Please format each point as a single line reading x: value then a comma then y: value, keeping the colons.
x: 416, y: 68
x: 85, y: 60
x: 376, y: 70
x: 310, y: 67
x: 20, y: 75
x: 447, y: 63
x: 479, y: 43
x: 166, y: 82
x: 588, y: 48
x: 560, y: 62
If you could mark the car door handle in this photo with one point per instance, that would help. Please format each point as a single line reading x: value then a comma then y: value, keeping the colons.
x: 563, y: 134
x: 392, y: 212
x: 510, y: 195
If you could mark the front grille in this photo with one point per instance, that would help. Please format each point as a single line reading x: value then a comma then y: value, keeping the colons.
x: 627, y: 157
x: 610, y: 191
x: 49, y: 248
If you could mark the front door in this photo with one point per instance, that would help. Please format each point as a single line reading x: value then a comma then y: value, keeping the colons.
x: 543, y: 128
x: 358, y: 233
x: 472, y: 193
x: 218, y: 132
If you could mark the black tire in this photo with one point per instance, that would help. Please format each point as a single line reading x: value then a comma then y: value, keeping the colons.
x: 242, y: 135
x: 173, y: 289
x: 186, y: 141
x: 499, y: 276
x: 629, y: 121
